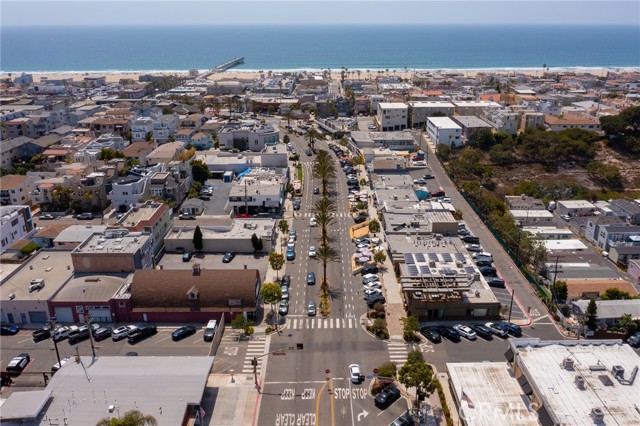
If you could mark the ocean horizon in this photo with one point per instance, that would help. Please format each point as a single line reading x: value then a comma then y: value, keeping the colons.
x: 114, y: 49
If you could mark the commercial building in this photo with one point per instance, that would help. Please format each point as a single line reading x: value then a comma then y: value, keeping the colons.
x: 247, y: 135
x: 257, y: 193
x: 443, y: 130
x: 532, y: 217
x: 117, y: 384
x: 395, y: 141
x: 15, y: 223
x: 392, y: 116
x: 114, y: 251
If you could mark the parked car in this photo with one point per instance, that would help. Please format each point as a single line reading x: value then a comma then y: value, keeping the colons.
x: 85, y: 216
x: 513, y: 329
x: 372, y: 300
x: 46, y: 217
x: 83, y: 333
x: 466, y: 331
x: 369, y: 278
x: 497, y: 329
x: 291, y: 254
x: 387, y: 396
x: 296, y: 205
x: 283, y: 307
x: 634, y: 339
x: 184, y: 216
x: 484, y: 262
x: 284, y: 293
x: 449, y: 332
x: 428, y: 176
x: 311, y: 308
x: 60, y: 333
x: 482, y: 254
x: 355, y: 373
x: 360, y: 218
x: 186, y: 256
x: 431, y: 333
x: 9, y: 329
x: 183, y: 332
x: 313, y: 222
x: 371, y: 292
x: 565, y: 217
x: 362, y: 240
x: 228, y: 257
x: 18, y: 363
x: 488, y: 271
x: 286, y: 280
x: 312, y: 251
x: 41, y: 334
x: 58, y: 365
x: 293, y: 234
x: 102, y: 333
x: 141, y: 332
x: 403, y: 420
x: 473, y: 247
x: 372, y: 285
x: 316, y: 191
x: 470, y: 239
x: 482, y: 331
x: 495, y: 282
x: 122, y: 332
x: 369, y: 269
x: 308, y: 152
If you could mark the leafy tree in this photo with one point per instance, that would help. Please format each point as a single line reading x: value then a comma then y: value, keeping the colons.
x: 410, y: 326
x: 29, y: 248
x: 107, y: 154
x: 501, y: 156
x: 388, y: 370
x: 286, y: 139
x: 615, y: 293
x: 627, y: 322
x: 271, y: 293
x: 374, y: 226
x: 623, y: 130
x: 200, y: 171
x: 240, y: 323
x: 592, y: 315
x: 197, y: 238
x: 283, y: 226
x: 379, y: 257
x: 130, y: 418
x: 606, y: 174
x: 417, y: 373
x: 276, y: 261
x: 256, y: 243
x: 560, y: 291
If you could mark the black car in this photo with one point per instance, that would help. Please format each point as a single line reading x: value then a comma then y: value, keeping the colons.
x: 286, y: 280
x: 482, y: 331
x: 228, y: 257
x: 82, y: 334
x: 102, y: 333
x: 296, y: 205
x: 369, y: 269
x: 483, y: 262
x: 449, y: 332
x: 373, y: 299
x: 512, y: 329
x: 387, y: 396
x: 360, y: 218
x: 488, y: 271
x: 495, y: 282
x: 9, y: 330
x: 316, y: 191
x: 311, y: 278
x: 183, y: 332
x: 142, y: 332
x: 308, y: 152
x: 634, y: 339
x: 428, y: 176
x: 470, y: 239
x: 41, y: 334
x: 431, y: 334
x: 283, y: 307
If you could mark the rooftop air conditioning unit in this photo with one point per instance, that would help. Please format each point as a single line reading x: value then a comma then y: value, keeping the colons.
x: 597, y: 414
x: 567, y: 363
x: 579, y: 382
x: 36, y: 284
x: 459, y: 263
x: 617, y: 371
x: 432, y: 263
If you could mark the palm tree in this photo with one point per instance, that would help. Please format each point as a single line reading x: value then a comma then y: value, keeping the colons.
x: 323, y: 212
x: 311, y: 136
x: 130, y: 418
x: 325, y: 254
x: 324, y: 169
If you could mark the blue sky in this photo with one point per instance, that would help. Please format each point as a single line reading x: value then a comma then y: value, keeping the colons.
x: 206, y: 12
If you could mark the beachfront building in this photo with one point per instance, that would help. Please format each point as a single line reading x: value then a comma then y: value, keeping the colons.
x: 420, y: 111
x: 392, y: 116
x: 247, y: 135
x: 443, y: 130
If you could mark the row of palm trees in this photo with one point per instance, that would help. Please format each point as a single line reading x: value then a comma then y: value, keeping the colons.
x: 324, y: 168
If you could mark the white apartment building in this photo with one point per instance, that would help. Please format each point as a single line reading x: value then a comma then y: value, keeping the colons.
x: 392, y: 116
x: 14, y: 190
x: 108, y: 140
x: 474, y: 107
x: 131, y: 189
x: 248, y: 135
x: 254, y: 195
x: 420, y: 111
x: 16, y: 222
x: 531, y: 120
x: 375, y: 100
x: 140, y: 127
x: 443, y: 130
x: 502, y: 120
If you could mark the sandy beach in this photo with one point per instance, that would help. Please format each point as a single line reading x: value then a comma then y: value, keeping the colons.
x: 253, y: 75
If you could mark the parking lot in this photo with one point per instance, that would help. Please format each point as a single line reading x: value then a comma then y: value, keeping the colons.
x: 43, y: 354
x: 214, y: 261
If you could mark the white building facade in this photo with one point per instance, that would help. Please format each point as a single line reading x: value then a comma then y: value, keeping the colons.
x: 443, y: 130
x: 392, y: 116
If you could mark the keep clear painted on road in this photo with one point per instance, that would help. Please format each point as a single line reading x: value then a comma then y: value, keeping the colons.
x: 296, y: 419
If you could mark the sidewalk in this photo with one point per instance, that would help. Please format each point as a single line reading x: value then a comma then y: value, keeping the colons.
x: 230, y: 402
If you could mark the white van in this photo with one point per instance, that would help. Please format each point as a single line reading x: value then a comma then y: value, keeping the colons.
x: 210, y: 330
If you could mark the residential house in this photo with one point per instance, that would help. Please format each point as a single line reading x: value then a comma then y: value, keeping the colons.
x: 592, y: 288
x: 611, y: 234
x: 164, y: 125
x: 45, y: 236
x: 193, y: 121
x: 622, y: 253
x: 13, y: 150
x: 184, y: 135
x: 470, y: 125
x: 14, y: 190
x: 530, y: 120
x: 166, y: 153
x: 633, y: 270
x: 592, y: 229
x: 108, y: 141
x: 109, y: 124
x: 474, y: 108
x: 16, y: 222
x: 571, y: 121
x: 152, y: 218
x: 139, y: 151
x: 202, y: 141
x: 194, y: 295
x: 502, y: 120
x: 392, y: 116
x: 630, y: 209
x: 140, y: 128
x: 133, y: 188
x: 72, y: 236
x: 609, y: 311
x: 166, y: 185
x: 576, y: 208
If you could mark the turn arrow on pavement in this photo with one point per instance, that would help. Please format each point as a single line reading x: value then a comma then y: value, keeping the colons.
x: 364, y: 414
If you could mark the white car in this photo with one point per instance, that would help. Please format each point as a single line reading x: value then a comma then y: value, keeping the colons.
x: 313, y: 222
x: 495, y: 329
x: 474, y: 247
x: 371, y: 286
x: 312, y: 251
x: 285, y: 293
x: 354, y: 373
x: 122, y: 332
x: 372, y: 292
x: 291, y: 246
x: 369, y: 278
x: 482, y: 254
x: 466, y: 331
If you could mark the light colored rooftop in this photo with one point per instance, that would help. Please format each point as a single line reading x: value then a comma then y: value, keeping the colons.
x: 392, y: 105
x: 503, y: 405
x: 54, y: 266
x: 141, y: 213
x: 117, y: 241
x: 576, y: 204
x: 443, y: 123
x: 78, y: 233
x: 471, y: 121
x: 92, y: 287
x: 163, y: 387
x: 542, y: 364
x: 238, y: 229
x: 553, y: 245
x: 431, y: 104
x: 523, y: 214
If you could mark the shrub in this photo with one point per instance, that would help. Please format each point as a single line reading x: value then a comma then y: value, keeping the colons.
x: 388, y: 369
x: 270, y: 329
x: 379, y: 329
x: 29, y: 248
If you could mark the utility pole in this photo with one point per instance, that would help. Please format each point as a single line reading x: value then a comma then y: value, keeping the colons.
x: 87, y: 321
x: 513, y: 292
x: 555, y: 274
x: 52, y: 324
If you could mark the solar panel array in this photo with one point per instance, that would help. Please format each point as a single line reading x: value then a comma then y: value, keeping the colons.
x: 419, y: 257
x: 408, y: 259
x: 424, y: 270
x: 413, y: 270
x: 446, y: 257
x: 433, y: 256
x: 459, y: 256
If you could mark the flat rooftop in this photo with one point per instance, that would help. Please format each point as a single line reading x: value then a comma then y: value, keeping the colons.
x: 144, y: 212
x: 92, y: 287
x: 443, y: 123
x: 237, y: 229
x: 54, y: 266
x: 78, y: 233
x: 503, y: 405
x: 555, y: 245
x: 161, y: 386
x: 542, y: 364
x: 113, y: 242
x: 576, y: 204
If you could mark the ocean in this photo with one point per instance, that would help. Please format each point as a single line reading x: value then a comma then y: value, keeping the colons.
x: 432, y: 47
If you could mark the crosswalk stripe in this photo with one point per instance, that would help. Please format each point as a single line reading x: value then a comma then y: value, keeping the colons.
x: 350, y: 322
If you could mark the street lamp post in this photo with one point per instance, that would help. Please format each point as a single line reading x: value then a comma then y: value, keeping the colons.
x: 513, y: 292
x: 52, y: 323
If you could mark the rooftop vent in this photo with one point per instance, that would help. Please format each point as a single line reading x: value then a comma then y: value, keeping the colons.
x: 597, y: 414
x: 617, y: 371
x: 580, y: 382
x: 567, y: 363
